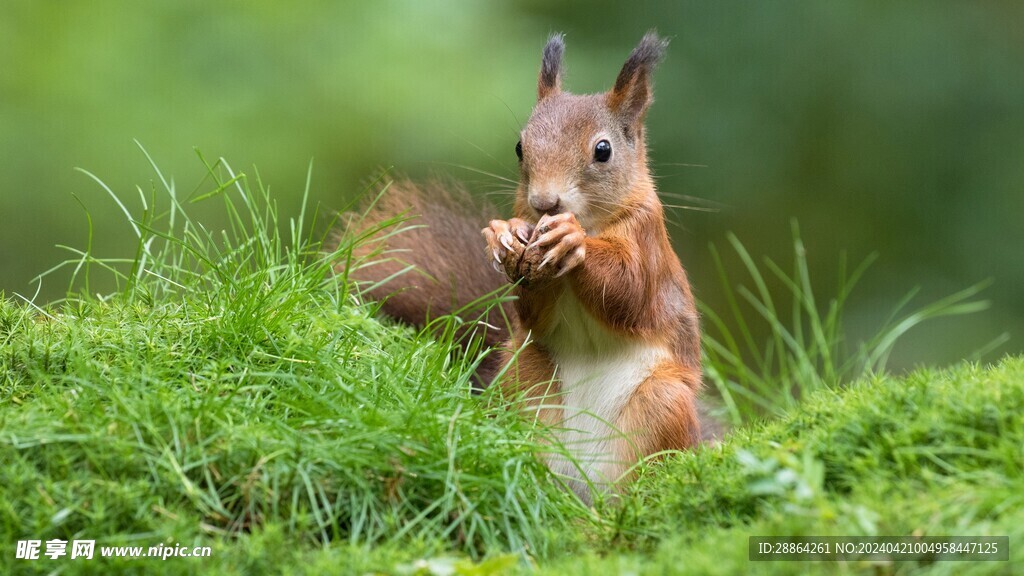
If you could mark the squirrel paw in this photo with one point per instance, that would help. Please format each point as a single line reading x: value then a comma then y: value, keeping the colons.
x: 506, y: 242
x: 557, y: 248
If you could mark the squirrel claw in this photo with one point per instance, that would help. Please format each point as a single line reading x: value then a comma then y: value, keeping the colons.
x: 506, y: 241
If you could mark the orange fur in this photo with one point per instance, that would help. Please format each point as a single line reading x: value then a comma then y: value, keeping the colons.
x: 604, y: 320
x: 661, y: 414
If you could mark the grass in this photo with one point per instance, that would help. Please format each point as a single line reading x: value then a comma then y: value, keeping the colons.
x: 806, y: 349
x: 938, y: 452
x: 234, y: 393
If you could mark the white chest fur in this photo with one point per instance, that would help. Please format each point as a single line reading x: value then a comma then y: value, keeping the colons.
x: 599, y: 370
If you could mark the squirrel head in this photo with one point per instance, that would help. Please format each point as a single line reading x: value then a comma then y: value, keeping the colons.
x: 586, y: 154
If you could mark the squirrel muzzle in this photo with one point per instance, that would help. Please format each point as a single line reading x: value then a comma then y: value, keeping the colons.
x: 545, y: 200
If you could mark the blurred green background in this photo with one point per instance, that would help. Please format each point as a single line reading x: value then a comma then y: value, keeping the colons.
x: 895, y: 128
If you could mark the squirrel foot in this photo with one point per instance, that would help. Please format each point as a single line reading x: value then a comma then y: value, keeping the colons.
x: 536, y: 254
x: 558, y: 247
x: 506, y: 243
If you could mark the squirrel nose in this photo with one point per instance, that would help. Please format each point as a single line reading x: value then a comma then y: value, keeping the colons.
x: 545, y: 204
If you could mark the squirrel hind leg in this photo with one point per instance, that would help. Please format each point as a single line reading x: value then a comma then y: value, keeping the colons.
x: 661, y: 414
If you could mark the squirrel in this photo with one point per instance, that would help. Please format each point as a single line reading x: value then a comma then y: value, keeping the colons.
x: 603, y: 335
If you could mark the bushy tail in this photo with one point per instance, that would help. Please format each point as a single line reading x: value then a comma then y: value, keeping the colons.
x: 424, y: 258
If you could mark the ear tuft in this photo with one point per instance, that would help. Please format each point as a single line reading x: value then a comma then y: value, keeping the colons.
x: 550, y: 81
x: 633, y: 93
x: 642, y: 60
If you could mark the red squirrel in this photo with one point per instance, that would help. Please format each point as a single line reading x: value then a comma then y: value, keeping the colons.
x: 605, y: 338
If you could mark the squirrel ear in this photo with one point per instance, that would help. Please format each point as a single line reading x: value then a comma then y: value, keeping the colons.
x: 633, y: 93
x: 550, y: 81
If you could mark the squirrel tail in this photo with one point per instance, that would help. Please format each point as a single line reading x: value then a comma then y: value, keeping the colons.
x: 423, y: 257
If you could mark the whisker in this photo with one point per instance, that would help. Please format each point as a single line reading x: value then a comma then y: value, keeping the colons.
x: 484, y: 152
x: 509, y: 108
x: 491, y: 185
x: 684, y: 196
x: 479, y: 171
x: 694, y: 208
x: 604, y: 205
x: 596, y: 202
x: 695, y: 199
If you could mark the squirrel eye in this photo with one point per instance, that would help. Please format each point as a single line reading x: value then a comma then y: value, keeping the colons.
x: 603, y: 151
x: 519, y: 150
